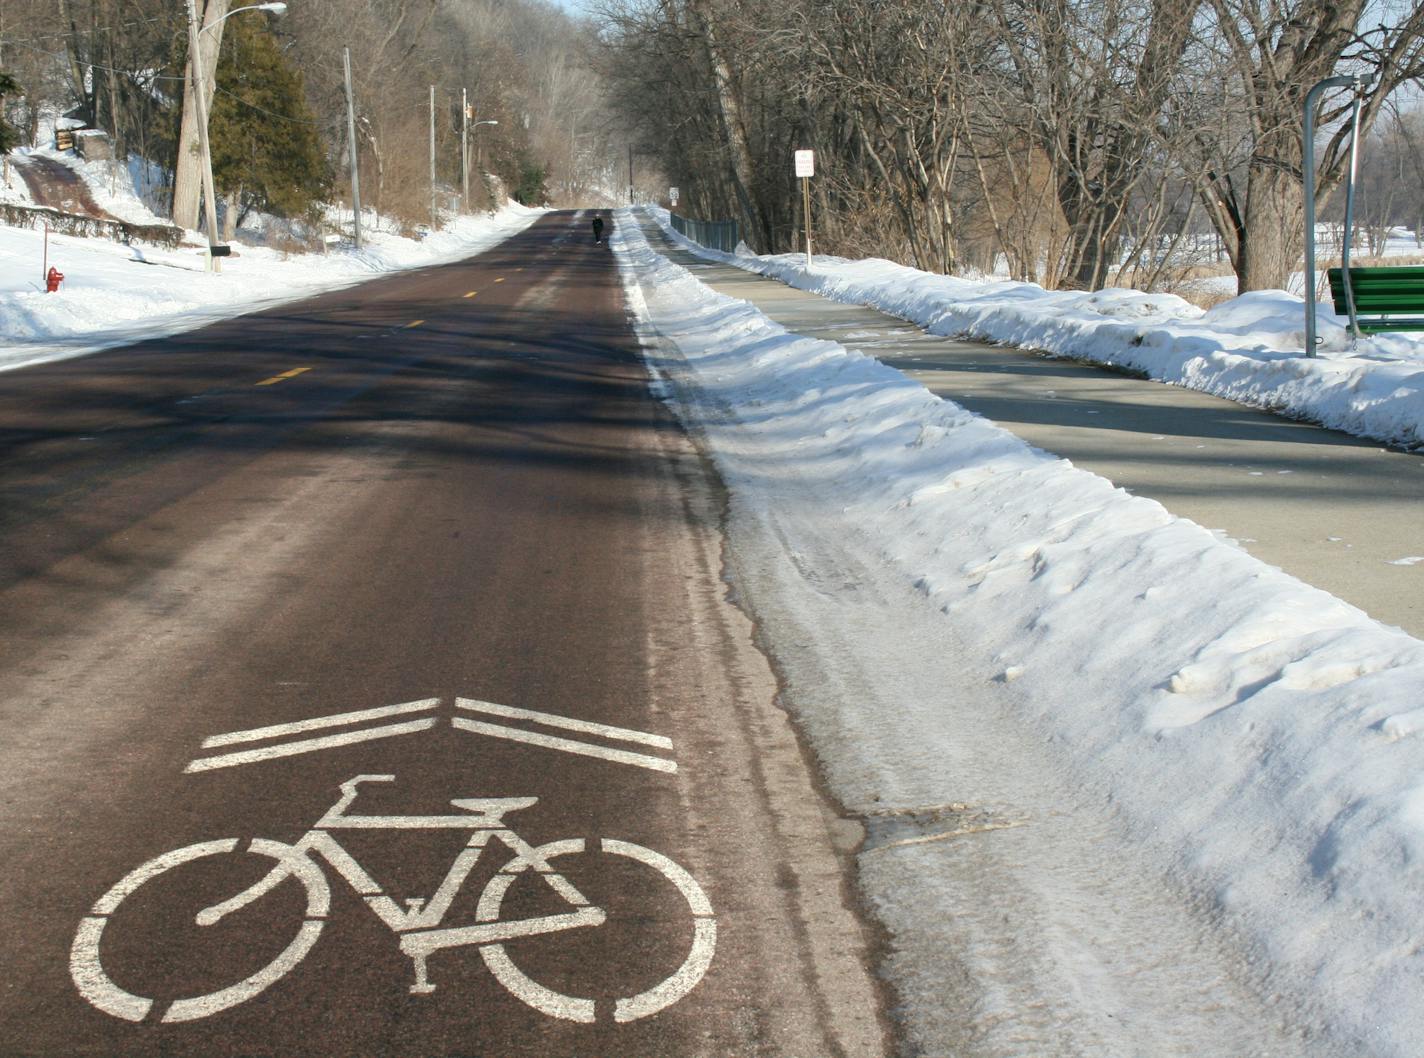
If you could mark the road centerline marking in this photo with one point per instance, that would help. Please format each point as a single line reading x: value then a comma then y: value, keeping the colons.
x: 587, y: 727
x: 413, y: 323
x: 472, y: 293
x: 293, y: 373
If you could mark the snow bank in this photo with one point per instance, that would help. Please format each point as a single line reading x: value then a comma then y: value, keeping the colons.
x: 1248, y: 349
x: 114, y: 294
x: 1258, y: 738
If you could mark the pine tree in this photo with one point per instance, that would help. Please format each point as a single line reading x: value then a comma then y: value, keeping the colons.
x: 9, y: 135
x: 265, y: 145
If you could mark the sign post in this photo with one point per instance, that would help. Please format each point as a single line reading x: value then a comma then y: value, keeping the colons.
x: 672, y: 196
x: 805, y: 169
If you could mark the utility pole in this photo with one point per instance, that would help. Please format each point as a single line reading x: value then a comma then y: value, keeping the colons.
x: 351, y: 136
x: 201, y: 113
x: 187, y: 177
x: 432, y: 159
x: 630, y: 174
x: 465, y: 149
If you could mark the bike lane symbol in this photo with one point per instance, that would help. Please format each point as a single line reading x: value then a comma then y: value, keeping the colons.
x: 420, y: 925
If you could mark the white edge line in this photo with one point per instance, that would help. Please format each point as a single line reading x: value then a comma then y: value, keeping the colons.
x: 533, y: 738
x: 309, y: 745
x: 257, y: 734
x: 588, y: 727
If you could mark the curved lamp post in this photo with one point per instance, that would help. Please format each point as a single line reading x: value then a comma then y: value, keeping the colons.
x: 465, y: 128
x: 200, y: 106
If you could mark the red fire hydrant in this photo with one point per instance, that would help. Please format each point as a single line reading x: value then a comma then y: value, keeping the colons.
x: 52, y: 280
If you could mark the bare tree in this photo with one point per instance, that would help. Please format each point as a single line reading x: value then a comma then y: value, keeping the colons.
x: 1272, y: 52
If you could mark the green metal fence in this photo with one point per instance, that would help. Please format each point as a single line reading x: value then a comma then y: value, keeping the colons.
x: 714, y: 234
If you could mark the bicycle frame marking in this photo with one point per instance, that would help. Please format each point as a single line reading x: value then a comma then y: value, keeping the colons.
x: 418, y: 924
x: 422, y: 914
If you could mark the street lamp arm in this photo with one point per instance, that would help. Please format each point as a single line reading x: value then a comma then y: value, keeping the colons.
x: 276, y: 7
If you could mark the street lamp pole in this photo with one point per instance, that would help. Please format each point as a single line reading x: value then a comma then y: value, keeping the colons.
x: 478, y: 155
x: 432, y: 160
x: 200, y: 109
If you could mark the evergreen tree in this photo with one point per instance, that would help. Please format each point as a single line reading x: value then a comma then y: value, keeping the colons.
x: 9, y: 135
x: 532, y: 189
x: 265, y: 145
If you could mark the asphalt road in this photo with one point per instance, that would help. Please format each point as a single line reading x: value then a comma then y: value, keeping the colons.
x: 275, y: 593
x: 1333, y: 510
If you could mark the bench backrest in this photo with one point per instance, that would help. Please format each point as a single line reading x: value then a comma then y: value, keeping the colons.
x: 1397, y: 288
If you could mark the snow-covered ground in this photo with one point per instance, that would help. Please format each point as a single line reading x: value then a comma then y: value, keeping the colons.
x: 114, y: 294
x: 1247, y: 349
x: 1128, y: 790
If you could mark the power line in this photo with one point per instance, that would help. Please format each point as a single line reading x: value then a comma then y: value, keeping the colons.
x: 263, y: 110
x: 135, y: 74
x: 91, y: 31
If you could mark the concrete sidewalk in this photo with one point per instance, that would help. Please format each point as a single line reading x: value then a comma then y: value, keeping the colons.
x: 1333, y: 510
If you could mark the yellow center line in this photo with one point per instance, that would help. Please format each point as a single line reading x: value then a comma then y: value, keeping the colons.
x: 413, y: 323
x: 472, y: 293
x: 500, y: 279
x: 283, y: 376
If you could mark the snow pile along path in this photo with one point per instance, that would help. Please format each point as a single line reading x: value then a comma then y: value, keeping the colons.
x: 1255, y: 740
x: 1248, y: 349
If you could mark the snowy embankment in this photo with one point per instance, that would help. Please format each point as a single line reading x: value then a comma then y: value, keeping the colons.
x: 1257, y: 740
x: 1247, y: 349
x: 114, y: 294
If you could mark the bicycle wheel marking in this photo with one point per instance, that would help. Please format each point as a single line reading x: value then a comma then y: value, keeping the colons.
x: 84, y: 966
x: 98, y: 988
x: 704, y: 937
x: 574, y: 1008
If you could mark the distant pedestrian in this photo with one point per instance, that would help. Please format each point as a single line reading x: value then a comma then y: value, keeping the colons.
x: 597, y: 228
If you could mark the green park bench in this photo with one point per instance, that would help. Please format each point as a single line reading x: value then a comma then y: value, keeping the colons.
x: 1386, y: 299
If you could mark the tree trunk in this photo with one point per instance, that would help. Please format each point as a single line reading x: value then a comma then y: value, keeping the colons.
x: 1272, y: 236
x: 733, y: 131
x: 187, y: 174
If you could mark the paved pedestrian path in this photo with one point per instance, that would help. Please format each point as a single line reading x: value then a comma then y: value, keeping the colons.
x: 1335, y: 511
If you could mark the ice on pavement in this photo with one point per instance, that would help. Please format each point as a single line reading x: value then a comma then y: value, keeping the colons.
x: 1198, y: 783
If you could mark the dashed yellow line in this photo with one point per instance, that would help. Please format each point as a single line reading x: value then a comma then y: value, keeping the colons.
x: 472, y: 293
x: 500, y: 279
x: 413, y: 323
x: 283, y: 376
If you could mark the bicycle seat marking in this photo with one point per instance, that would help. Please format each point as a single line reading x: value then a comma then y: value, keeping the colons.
x: 420, y: 925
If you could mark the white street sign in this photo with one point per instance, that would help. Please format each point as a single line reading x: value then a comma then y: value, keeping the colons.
x: 805, y: 163
x: 672, y: 194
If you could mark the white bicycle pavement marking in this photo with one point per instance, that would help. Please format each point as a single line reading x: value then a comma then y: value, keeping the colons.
x: 534, y: 738
x: 260, y: 734
x: 621, y: 734
x: 459, y: 723
x: 310, y: 745
x: 419, y: 925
